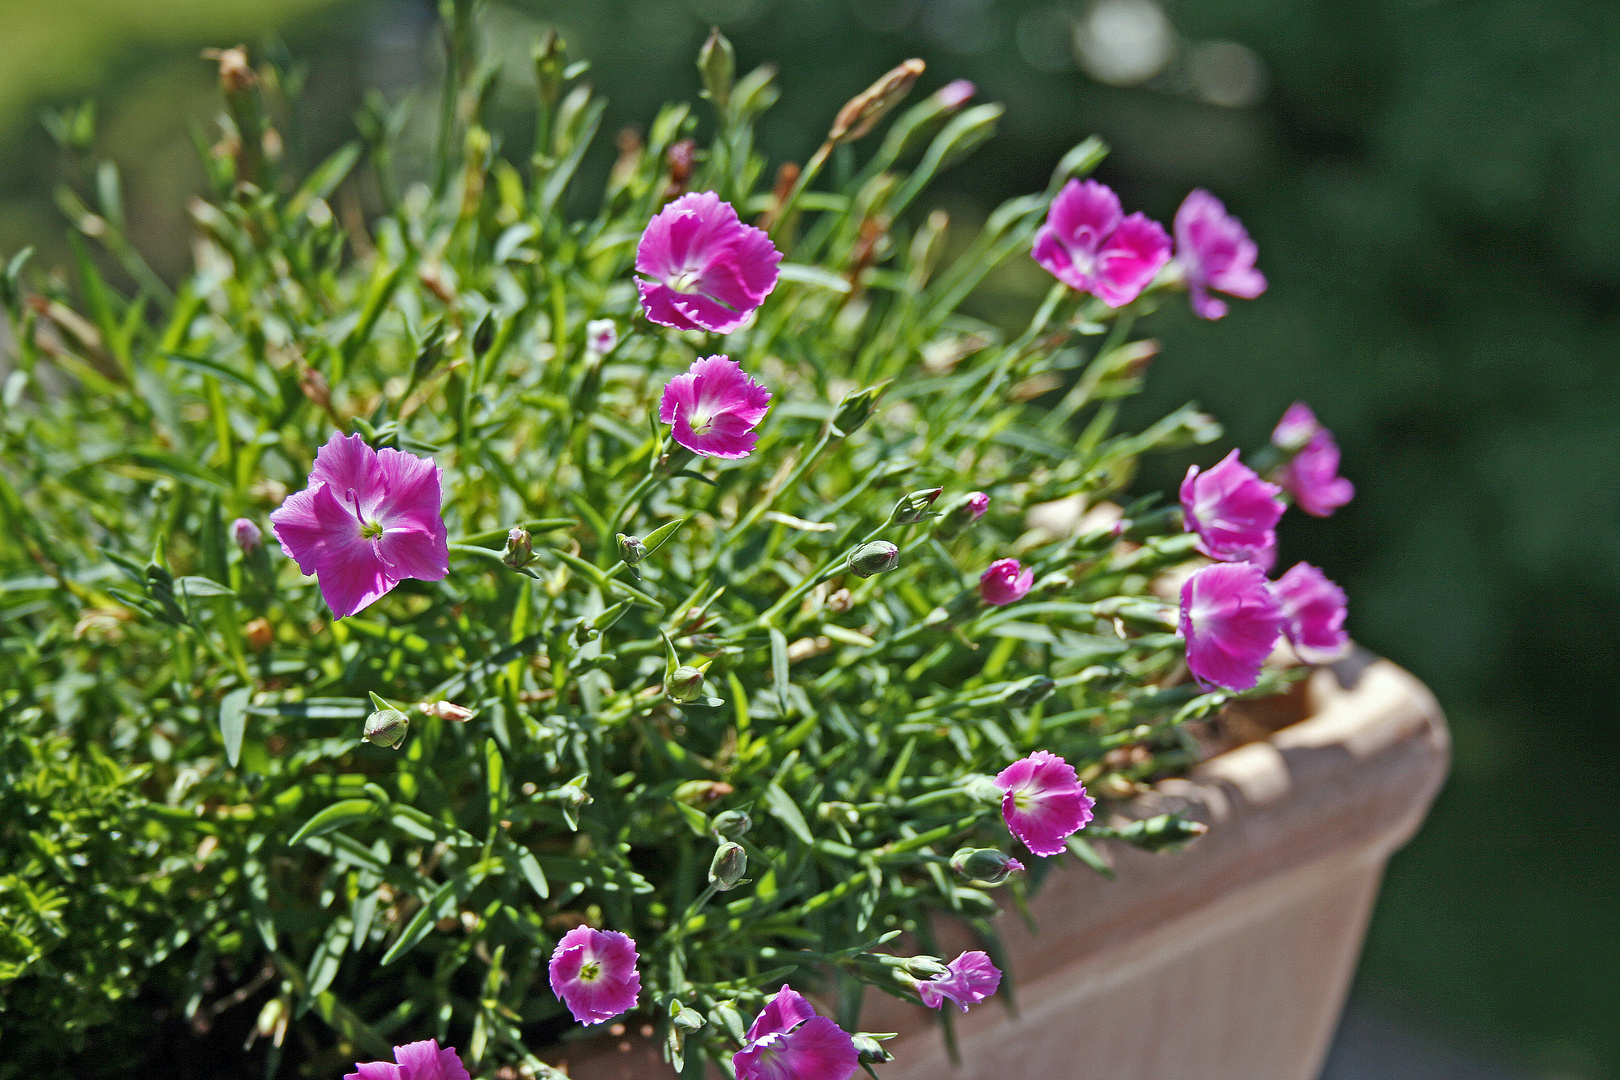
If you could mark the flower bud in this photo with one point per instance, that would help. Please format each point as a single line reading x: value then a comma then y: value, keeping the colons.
x: 717, y: 63
x: 728, y: 866
x: 684, y: 684
x: 870, y: 1051
x: 961, y: 513
x: 259, y: 634
x: 855, y: 408
x: 519, y: 550
x: 246, y: 534
x: 702, y: 792
x: 981, y: 788
x: 865, y: 109
x: 445, y: 710
x: 925, y: 967
x: 1166, y: 832
x: 913, y: 507
x: 731, y: 824
x: 631, y: 549
x: 1027, y: 692
x: 386, y: 726
x: 601, y: 335
x: 986, y: 865
x: 878, y: 557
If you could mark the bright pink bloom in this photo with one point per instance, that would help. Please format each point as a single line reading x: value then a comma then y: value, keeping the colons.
x: 1043, y: 801
x: 1088, y: 244
x: 594, y: 972
x: 1005, y: 582
x: 1313, y: 611
x: 709, y: 270
x: 1233, y: 511
x: 1295, y: 428
x: 1215, y: 253
x: 788, y: 1041
x: 1230, y: 621
x: 246, y: 534
x: 417, y: 1061
x: 1312, y: 476
x: 971, y: 979
x: 955, y: 94
x: 368, y: 520
x: 977, y: 503
x: 714, y: 408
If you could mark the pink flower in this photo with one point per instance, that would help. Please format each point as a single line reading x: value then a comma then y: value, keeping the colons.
x: 417, y: 1061
x: 368, y: 520
x: 714, y: 408
x: 1295, y: 428
x: 977, y: 503
x: 594, y: 972
x: 971, y: 979
x: 1312, y: 476
x: 600, y: 336
x: 1313, y: 611
x: 1215, y: 253
x: 1089, y: 245
x: 1005, y: 582
x: 1230, y: 621
x: 1233, y: 511
x: 709, y: 270
x: 246, y: 534
x: 788, y: 1041
x: 1043, y: 801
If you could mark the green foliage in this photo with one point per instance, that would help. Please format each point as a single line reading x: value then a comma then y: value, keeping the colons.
x: 384, y: 894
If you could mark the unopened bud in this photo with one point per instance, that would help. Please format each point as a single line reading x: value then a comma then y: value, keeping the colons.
x: 246, y: 534
x: 840, y: 601
x: 702, y: 792
x: 731, y: 824
x: 869, y: 1050
x: 601, y: 335
x: 235, y: 73
x: 925, y: 967
x: 981, y: 788
x: 878, y: 557
x: 1166, y: 832
x: 519, y: 550
x: 728, y: 867
x: 955, y: 94
x: 259, y: 634
x: 1027, y: 692
x: 631, y: 549
x: 985, y: 865
x: 865, y: 109
x: 272, y: 1016
x: 684, y: 683
x: 386, y: 726
x: 961, y: 513
x: 717, y: 63
x: 855, y: 409
x: 914, y: 506
x: 445, y: 710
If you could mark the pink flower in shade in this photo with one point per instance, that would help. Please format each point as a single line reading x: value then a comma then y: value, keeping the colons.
x: 970, y: 979
x: 594, y: 972
x: 1230, y: 621
x: 1313, y: 611
x: 1233, y: 511
x: 709, y: 270
x: 1005, y: 582
x: 368, y: 520
x: 416, y: 1061
x: 788, y: 1041
x: 246, y: 534
x: 1312, y: 476
x: 1215, y: 252
x: 714, y: 408
x: 1088, y: 244
x: 1295, y: 428
x: 1043, y: 801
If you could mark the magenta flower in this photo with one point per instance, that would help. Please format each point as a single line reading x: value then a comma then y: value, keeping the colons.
x: 1215, y: 252
x: 368, y: 520
x: 416, y: 1061
x: 1312, y: 476
x: 1233, y: 511
x: 788, y: 1041
x: 1005, y: 582
x: 970, y: 979
x: 1313, y: 611
x: 714, y: 408
x: 1295, y: 428
x: 709, y: 270
x: 977, y: 503
x: 246, y: 534
x: 1230, y: 621
x: 1088, y: 244
x: 1043, y: 801
x: 594, y: 972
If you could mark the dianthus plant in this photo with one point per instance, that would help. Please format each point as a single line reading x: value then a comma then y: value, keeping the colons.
x: 521, y: 615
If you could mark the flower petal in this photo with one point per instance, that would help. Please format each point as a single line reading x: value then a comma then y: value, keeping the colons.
x: 1130, y: 259
x: 348, y: 464
x: 323, y: 536
x: 786, y: 1009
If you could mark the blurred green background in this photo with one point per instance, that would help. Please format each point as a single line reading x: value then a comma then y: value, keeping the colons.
x: 1435, y: 189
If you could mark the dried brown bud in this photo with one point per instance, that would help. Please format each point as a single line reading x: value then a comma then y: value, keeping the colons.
x: 869, y: 106
x: 259, y: 634
x: 235, y: 73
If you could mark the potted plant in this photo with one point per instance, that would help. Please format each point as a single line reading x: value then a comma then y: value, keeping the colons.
x: 504, y: 619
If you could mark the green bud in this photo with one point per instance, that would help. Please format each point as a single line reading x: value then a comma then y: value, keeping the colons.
x: 631, y: 549
x: 870, y: 1050
x: 684, y: 683
x: 926, y: 967
x: 688, y: 1020
x: 914, y: 506
x: 1027, y: 692
x: 727, y: 869
x: 981, y: 788
x: 519, y: 550
x: 1166, y: 832
x: 878, y: 557
x: 550, y: 60
x: 985, y: 865
x: 717, y: 63
x: 386, y: 726
x: 855, y: 408
x: 731, y: 824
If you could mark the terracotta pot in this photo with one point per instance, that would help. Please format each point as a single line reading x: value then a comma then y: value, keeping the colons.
x: 1229, y: 961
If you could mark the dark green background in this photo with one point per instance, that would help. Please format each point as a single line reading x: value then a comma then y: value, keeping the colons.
x: 1435, y: 189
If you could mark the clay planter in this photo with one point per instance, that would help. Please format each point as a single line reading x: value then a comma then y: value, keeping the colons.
x: 1229, y: 961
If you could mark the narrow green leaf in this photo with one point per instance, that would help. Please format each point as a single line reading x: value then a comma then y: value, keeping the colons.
x: 233, y: 722
x: 781, y: 804
x: 341, y: 813
x: 779, y: 667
